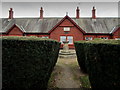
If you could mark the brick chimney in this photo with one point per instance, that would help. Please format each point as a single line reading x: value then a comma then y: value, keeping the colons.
x: 41, y: 13
x: 77, y: 13
x: 11, y: 13
x: 94, y: 13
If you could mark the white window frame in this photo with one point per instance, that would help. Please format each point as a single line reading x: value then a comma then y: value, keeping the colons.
x: 62, y: 39
x: 45, y: 37
x: 117, y: 38
x: 66, y: 29
x: 88, y: 38
x: 66, y: 38
x: 71, y: 39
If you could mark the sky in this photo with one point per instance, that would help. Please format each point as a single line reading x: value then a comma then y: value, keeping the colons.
x: 59, y: 9
x: 31, y: 8
x: 60, y: 0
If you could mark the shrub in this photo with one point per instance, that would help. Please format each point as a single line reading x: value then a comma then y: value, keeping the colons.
x: 80, y: 56
x: 103, y: 63
x: 27, y: 62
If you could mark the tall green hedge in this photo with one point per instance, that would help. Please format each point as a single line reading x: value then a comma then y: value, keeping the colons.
x: 27, y: 62
x: 103, y: 63
x: 80, y: 56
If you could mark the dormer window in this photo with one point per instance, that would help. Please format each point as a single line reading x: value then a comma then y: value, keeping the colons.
x: 66, y: 29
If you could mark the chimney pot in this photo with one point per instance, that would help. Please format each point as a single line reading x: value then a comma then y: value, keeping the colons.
x: 94, y: 13
x: 77, y: 8
x: 77, y: 13
x: 11, y: 13
x: 11, y: 9
x: 41, y: 8
x: 41, y: 13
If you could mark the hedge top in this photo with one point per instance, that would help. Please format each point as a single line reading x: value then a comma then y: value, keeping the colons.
x: 24, y: 38
x: 101, y: 41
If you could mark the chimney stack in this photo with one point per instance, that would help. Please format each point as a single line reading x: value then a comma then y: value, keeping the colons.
x: 11, y: 13
x: 41, y: 13
x: 77, y: 13
x: 94, y: 13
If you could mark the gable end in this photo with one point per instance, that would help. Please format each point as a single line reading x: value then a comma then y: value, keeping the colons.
x: 68, y: 18
x: 15, y: 30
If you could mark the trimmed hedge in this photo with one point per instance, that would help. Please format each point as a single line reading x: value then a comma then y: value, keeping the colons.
x: 103, y: 63
x: 80, y: 56
x: 27, y: 62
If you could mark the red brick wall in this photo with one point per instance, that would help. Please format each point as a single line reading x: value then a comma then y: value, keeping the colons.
x: 109, y: 36
x: 15, y: 31
x: 98, y: 36
x: 93, y: 36
x: 37, y: 35
x: 74, y: 31
x: 66, y: 22
x: 116, y: 34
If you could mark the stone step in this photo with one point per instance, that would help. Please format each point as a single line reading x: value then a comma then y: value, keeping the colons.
x: 67, y: 54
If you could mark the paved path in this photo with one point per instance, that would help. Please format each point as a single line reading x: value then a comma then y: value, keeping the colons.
x: 67, y: 73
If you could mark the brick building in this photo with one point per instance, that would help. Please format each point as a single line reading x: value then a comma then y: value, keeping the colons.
x: 61, y: 29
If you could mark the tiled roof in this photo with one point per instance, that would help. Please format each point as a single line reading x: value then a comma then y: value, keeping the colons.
x: 36, y: 25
